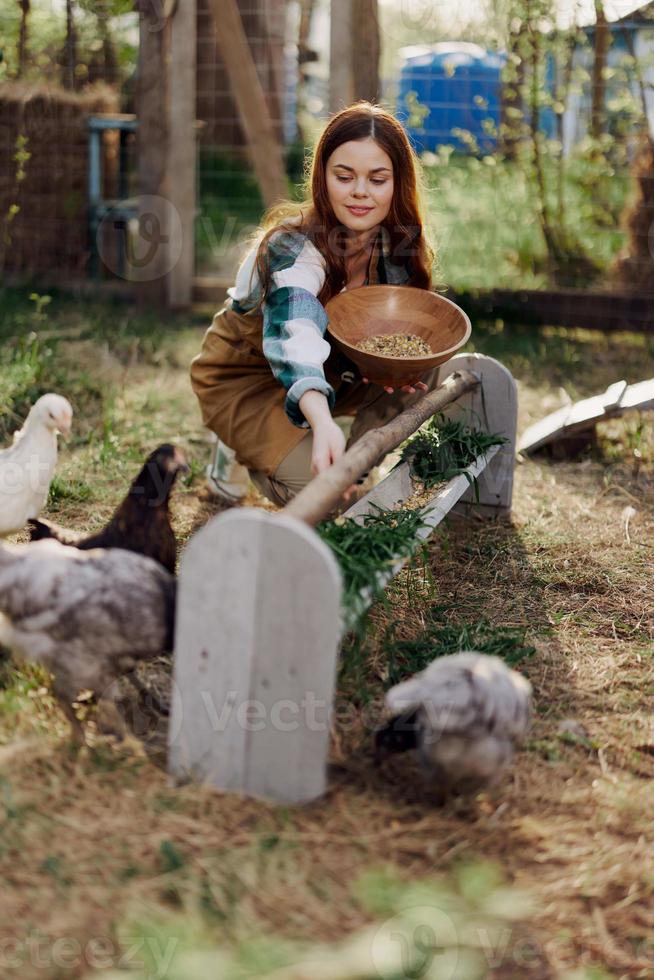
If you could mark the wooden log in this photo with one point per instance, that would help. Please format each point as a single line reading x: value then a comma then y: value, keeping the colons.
x: 255, y: 657
x: 583, y: 308
x: 264, y: 147
x: 321, y: 496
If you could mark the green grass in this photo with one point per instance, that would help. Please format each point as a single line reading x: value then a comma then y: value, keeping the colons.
x: 440, y: 639
x: 366, y: 548
x: 231, y: 205
x: 483, y: 216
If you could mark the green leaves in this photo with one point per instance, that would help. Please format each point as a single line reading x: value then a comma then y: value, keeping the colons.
x: 366, y: 548
x: 444, y: 449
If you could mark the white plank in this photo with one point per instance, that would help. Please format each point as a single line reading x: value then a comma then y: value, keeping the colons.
x: 639, y: 395
x: 298, y: 603
x: 613, y: 395
x: 493, y: 407
x: 214, y: 641
x: 255, y: 657
x: 544, y: 431
x: 585, y: 414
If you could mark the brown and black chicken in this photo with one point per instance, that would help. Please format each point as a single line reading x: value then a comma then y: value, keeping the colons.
x: 142, y: 521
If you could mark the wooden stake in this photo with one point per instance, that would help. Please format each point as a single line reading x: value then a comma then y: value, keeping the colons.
x: 365, y: 61
x: 321, y: 496
x: 264, y: 147
x: 182, y: 149
x: 149, y: 270
x: 255, y: 657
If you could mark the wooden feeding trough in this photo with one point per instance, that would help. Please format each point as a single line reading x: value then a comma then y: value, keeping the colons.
x: 259, y: 618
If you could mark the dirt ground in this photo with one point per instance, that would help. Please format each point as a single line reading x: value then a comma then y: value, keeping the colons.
x: 97, y: 847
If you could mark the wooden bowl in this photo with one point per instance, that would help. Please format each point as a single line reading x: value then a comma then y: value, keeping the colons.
x: 377, y: 310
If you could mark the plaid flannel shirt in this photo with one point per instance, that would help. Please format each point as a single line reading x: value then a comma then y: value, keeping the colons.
x: 294, y: 320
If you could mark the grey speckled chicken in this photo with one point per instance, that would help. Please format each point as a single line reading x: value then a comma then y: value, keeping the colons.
x: 464, y: 714
x: 87, y: 616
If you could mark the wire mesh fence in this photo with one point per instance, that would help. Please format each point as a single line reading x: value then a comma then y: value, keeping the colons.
x: 533, y: 122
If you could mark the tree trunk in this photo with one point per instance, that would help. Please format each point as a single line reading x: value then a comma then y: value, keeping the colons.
x: 153, y: 136
x: 304, y: 56
x: 640, y: 81
x: 22, y: 36
x: 341, y: 82
x: 534, y: 125
x: 564, y: 78
x: 109, y: 56
x: 70, y: 48
x: 513, y: 81
x: 307, y: 8
x: 365, y: 49
x: 598, y: 83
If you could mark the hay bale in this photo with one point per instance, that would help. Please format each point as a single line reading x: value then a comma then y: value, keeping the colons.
x: 49, y: 233
x: 634, y: 267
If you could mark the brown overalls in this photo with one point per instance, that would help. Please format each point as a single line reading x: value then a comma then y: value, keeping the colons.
x: 243, y: 403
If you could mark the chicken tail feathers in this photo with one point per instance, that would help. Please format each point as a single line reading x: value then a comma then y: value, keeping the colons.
x: 41, y: 530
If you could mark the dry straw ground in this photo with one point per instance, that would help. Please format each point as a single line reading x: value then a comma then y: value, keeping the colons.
x: 102, y: 859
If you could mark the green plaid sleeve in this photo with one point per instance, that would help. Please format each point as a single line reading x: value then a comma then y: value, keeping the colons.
x: 294, y: 321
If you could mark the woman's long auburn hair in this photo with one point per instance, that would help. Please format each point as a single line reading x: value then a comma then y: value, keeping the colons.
x: 314, y: 216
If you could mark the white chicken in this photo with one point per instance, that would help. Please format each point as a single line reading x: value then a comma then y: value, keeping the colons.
x: 464, y: 714
x: 27, y: 467
x: 87, y: 616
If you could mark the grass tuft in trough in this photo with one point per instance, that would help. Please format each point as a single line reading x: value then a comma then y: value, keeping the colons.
x: 444, y: 448
x: 365, y: 548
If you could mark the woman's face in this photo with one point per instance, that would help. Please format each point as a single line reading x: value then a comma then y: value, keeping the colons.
x: 360, y: 184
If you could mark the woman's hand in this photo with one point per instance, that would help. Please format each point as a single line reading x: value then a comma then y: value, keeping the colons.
x: 328, y: 446
x: 328, y: 438
x: 410, y: 389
